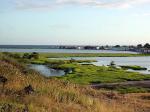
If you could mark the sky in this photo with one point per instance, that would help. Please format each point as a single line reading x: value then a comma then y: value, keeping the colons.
x: 74, y: 22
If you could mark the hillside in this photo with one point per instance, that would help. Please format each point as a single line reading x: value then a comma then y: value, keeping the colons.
x: 25, y: 90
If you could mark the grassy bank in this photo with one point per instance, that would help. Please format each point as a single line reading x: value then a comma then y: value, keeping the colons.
x: 127, y: 89
x: 86, y: 73
x: 27, y: 90
x: 89, y: 74
x: 55, y: 55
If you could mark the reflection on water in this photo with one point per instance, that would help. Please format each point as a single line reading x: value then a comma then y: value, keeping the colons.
x: 43, y: 69
x: 140, y: 61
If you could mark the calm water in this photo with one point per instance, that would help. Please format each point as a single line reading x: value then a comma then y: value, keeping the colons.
x: 62, y: 51
x: 141, y: 61
x: 43, y: 69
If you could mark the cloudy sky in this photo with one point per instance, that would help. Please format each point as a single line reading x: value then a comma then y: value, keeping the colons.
x: 77, y: 22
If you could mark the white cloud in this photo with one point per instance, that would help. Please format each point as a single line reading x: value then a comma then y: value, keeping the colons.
x: 27, y: 4
x: 105, y: 3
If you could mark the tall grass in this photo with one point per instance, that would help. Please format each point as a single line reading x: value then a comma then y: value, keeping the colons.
x: 52, y: 95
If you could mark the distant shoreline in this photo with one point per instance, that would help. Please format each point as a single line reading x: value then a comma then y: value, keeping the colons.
x: 70, y: 51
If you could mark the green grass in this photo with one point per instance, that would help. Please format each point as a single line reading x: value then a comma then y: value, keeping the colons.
x: 125, y: 90
x: 58, y: 62
x: 87, y: 74
x: 60, y: 94
x: 56, y: 55
x: 49, y: 93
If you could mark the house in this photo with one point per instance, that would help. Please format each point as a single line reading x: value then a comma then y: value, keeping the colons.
x: 121, y: 48
x: 145, y: 50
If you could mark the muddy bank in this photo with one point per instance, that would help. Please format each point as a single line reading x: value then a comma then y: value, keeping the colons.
x: 145, y: 84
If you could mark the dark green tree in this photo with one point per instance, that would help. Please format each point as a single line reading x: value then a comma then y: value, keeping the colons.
x: 147, y: 45
x: 117, y: 46
x: 139, y: 46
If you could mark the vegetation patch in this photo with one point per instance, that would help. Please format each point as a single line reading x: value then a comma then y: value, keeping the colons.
x: 124, y: 90
x: 58, y: 55
x: 23, y: 90
x: 89, y: 74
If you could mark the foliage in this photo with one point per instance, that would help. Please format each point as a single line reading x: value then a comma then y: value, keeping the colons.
x: 132, y: 90
x: 49, y: 94
x: 12, y: 55
x: 147, y: 45
x: 33, y: 55
x: 55, y: 95
x: 85, y: 74
x: 57, y: 55
x: 26, y: 55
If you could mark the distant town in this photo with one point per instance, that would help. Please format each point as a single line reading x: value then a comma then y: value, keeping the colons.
x: 134, y: 48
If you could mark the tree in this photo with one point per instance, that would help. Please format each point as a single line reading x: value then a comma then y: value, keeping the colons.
x: 147, y: 45
x: 139, y: 46
x: 117, y: 46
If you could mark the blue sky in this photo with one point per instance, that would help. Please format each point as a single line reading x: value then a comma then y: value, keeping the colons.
x: 77, y: 22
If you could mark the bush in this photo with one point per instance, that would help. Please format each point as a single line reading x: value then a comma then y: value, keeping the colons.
x: 26, y: 55
x: 12, y: 55
x: 33, y: 55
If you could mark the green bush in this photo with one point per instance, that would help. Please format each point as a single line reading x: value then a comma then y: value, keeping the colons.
x: 33, y: 55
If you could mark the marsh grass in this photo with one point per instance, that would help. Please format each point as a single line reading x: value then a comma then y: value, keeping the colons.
x: 86, y: 74
x: 51, y: 95
x: 132, y: 90
x: 58, y: 55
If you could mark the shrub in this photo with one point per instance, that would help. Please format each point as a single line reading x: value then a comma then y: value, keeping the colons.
x: 33, y: 55
x: 3, y: 80
x: 26, y: 55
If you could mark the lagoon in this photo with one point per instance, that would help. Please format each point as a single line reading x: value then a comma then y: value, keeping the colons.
x: 140, y: 61
x: 46, y: 71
